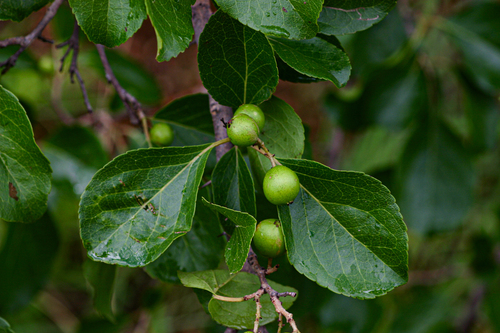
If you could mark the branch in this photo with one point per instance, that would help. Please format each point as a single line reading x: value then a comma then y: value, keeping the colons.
x: 26, y: 41
x: 201, y: 13
x: 73, y: 43
x: 132, y: 105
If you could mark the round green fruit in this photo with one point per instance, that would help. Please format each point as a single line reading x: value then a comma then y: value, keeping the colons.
x: 281, y: 185
x: 268, y: 238
x: 242, y: 130
x: 254, y: 112
x: 161, y: 134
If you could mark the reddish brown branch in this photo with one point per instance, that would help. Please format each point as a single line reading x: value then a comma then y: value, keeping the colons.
x: 132, y: 105
x: 73, y: 43
x: 26, y: 41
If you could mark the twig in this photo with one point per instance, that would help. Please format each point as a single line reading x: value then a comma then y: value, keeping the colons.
x: 261, y: 148
x: 357, y: 10
x: 73, y: 43
x: 133, y: 106
x: 273, y: 294
x: 26, y: 41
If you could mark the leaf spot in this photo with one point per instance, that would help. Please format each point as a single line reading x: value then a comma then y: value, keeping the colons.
x: 13, y: 192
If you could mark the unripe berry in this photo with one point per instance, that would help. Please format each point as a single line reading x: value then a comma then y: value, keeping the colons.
x: 254, y: 112
x: 162, y: 134
x: 281, y: 185
x: 242, y: 130
x: 268, y: 238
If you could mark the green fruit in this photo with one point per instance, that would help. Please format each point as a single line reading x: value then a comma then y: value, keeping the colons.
x: 268, y: 238
x: 242, y: 130
x: 254, y: 112
x: 161, y: 134
x: 281, y: 185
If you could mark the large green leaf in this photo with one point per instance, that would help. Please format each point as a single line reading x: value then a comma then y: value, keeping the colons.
x: 238, y: 246
x: 172, y: 22
x: 236, y: 315
x: 140, y: 202
x: 236, y: 63
x: 26, y: 259
x: 101, y: 278
x: 295, y: 19
x: 233, y: 184
x: 109, y: 22
x: 17, y: 10
x: 344, y: 231
x: 340, y: 17
x: 24, y: 170
x: 283, y: 135
x: 436, y: 179
x: 200, y: 249
x: 314, y: 57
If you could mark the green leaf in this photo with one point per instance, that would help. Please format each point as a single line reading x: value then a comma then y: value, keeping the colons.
x: 24, y: 170
x: 283, y: 135
x: 377, y: 150
x: 16, y: 10
x: 344, y: 231
x: 132, y: 76
x: 27, y: 256
x: 475, y: 37
x: 109, y: 22
x: 346, y: 17
x: 314, y: 57
x: 140, y: 202
x: 294, y: 19
x: 287, y: 73
x: 238, y: 246
x: 200, y: 249
x: 233, y: 183
x: 172, y: 22
x: 236, y: 315
x: 101, y: 278
x: 436, y: 179
x: 5, y: 326
x: 247, y: 74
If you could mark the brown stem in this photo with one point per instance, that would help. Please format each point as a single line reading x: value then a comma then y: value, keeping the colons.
x: 73, y: 43
x: 26, y: 41
x: 133, y: 106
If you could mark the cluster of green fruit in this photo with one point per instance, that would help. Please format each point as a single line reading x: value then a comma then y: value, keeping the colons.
x: 281, y: 185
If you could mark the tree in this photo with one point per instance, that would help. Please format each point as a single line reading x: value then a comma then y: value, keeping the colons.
x: 165, y: 208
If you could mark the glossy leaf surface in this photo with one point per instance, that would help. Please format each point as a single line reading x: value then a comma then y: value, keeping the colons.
x: 140, y: 202
x: 16, y: 10
x: 27, y: 256
x: 109, y: 22
x: 247, y: 74
x: 24, y: 171
x: 282, y: 18
x: 346, y: 17
x: 344, y: 231
x: 200, y: 249
x: 436, y: 179
x: 283, y: 135
x: 5, y: 326
x: 172, y: 22
x: 314, y: 57
x: 233, y: 184
x: 238, y: 246
x: 236, y: 315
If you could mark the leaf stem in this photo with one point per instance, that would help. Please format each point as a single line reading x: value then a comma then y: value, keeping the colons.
x: 264, y: 151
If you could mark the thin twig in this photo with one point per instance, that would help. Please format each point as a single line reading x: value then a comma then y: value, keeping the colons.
x: 132, y: 105
x: 73, y: 43
x: 26, y: 41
